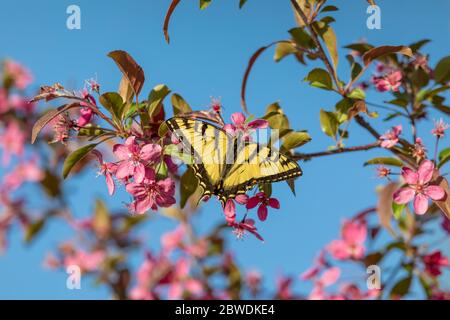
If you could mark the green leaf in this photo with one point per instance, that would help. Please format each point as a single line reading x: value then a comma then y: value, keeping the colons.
x: 329, y: 37
x: 101, y: 222
x: 73, y: 158
x: 276, y: 118
x: 163, y: 129
x: 444, y: 157
x: 266, y: 188
x: 242, y: 3
x: 386, y: 161
x: 399, y: 102
x: 319, y: 78
x: 328, y: 123
x: 442, y: 71
x: 284, y: 49
x: 356, y: 70
x: 358, y: 94
x: 397, y: 209
x: 291, y: 184
x: 416, y: 46
x: 188, y: 185
x: 174, y: 150
x: 302, y: 38
x: 180, y: 105
x: 51, y: 184
x: 113, y: 102
x: 329, y: 9
x: 33, y: 229
x: 295, y: 139
x: 401, y: 288
x: 204, y: 4
x: 155, y: 99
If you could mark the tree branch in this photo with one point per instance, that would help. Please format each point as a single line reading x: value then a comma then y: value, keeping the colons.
x: 308, y: 156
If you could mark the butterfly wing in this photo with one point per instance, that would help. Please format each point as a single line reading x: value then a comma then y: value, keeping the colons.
x: 257, y: 164
x: 207, y: 144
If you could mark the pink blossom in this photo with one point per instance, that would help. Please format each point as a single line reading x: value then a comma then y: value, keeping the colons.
x: 351, y: 244
x: 134, y: 159
x: 422, y: 63
x: 28, y: 171
x: 240, y: 228
x: 419, y: 188
x: 439, y: 128
x: 150, y: 193
x: 87, y: 261
x: 13, y: 141
x: 434, y: 262
x: 4, y: 104
x: 240, y: 126
x: 263, y: 201
x: 351, y: 292
x: 390, y: 138
x: 21, y: 76
x: 419, y: 152
x: 107, y: 169
x: 391, y: 81
x: 312, y: 272
x: 283, y: 290
x: 19, y: 103
x: 253, y: 281
x: 86, y: 114
x: 198, y: 249
x: 216, y: 105
x: 383, y: 172
x: 230, y: 207
x: 62, y: 126
x: 51, y: 262
x: 328, y: 278
x: 181, y: 282
x: 174, y: 239
x: 93, y: 85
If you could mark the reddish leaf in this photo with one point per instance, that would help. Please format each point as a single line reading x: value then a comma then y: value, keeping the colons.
x: 169, y: 12
x: 130, y: 69
x: 47, y: 117
x: 384, y: 206
x: 378, y: 52
x: 444, y: 204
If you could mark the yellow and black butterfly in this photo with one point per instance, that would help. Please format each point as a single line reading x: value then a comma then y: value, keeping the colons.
x: 224, y: 165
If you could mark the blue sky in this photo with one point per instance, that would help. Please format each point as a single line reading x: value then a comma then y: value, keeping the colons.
x: 207, y: 56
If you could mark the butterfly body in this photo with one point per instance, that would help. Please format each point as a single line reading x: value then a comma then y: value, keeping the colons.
x: 227, y: 166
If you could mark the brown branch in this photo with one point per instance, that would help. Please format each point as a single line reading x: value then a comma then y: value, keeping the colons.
x: 308, y: 156
x: 317, y: 42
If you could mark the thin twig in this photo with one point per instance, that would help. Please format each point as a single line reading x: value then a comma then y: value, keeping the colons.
x: 308, y: 156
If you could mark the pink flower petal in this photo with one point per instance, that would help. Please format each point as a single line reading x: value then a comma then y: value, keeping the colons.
x: 252, y: 202
x: 274, y: 203
x: 121, y: 152
x: 410, y: 176
x: 238, y: 118
x: 404, y: 195
x: 420, y: 204
x: 150, y: 152
x: 262, y: 212
x: 425, y: 171
x: 330, y: 276
x: 435, y: 192
x: 110, y: 183
x: 241, y: 198
x: 123, y: 170
x: 258, y: 124
x: 139, y: 173
x: 230, y: 210
x: 339, y: 249
x: 230, y: 129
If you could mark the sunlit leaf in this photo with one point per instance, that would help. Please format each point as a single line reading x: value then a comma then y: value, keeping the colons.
x: 179, y: 105
x: 295, y: 139
x: 101, y: 222
x: 113, y: 102
x: 328, y: 123
x: 401, y: 288
x: 389, y: 161
x: 155, y: 98
x: 188, y: 185
x: 442, y: 71
x: 73, y: 158
x: 284, y: 49
x: 444, y: 157
x: 319, y: 78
